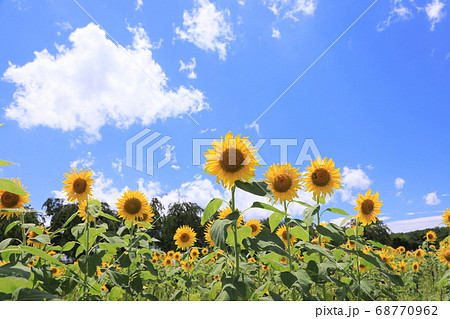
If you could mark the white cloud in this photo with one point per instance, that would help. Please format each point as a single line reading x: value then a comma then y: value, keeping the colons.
x: 276, y: 33
x: 95, y: 83
x: 64, y: 26
x: 398, y: 13
x: 207, y: 28
x: 402, y: 226
x: 431, y: 199
x: 352, y: 179
x: 139, y: 4
x: 288, y: 9
x: 175, y: 167
x: 85, y: 162
x: 435, y: 12
x: 241, y: 2
x: 117, y: 166
x: 189, y: 66
x: 399, y: 183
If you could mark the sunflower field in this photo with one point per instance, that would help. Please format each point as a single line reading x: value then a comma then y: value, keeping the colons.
x: 293, y: 259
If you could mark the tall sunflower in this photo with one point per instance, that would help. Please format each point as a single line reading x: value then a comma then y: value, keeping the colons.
x: 12, y: 201
x: 255, y: 225
x: 444, y: 255
x: 282, y: 233
x: 446, y: 217
x: 184, y: 237
x: 133, y: 206
x: 78, y: 184
x: 386, y: 257
x: 284, y: 181
x: 419, y: 253
x: 368, y: 206
x: 415, y: 266
x: 194, y: 253
x: 431, y: 236
x: 322, y: 178
x: 207, y: 234
x: 231, y: 159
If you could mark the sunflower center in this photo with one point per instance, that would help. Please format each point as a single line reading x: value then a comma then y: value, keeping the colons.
x: 79, y: 185
x: 447, y: 255
x: 232, y: 160
x: 282, y: 183
x: 321, y: 177
x: 185, y: 237
x: 367, y: 206
x: 254, y: 227
x: 132, y: 206
x: 284, y: 235
x: 9, y: 200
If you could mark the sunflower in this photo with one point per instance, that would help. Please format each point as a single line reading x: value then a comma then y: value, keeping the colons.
x: 265, y: 267
x: 227, y: 211
x: 367, y: 206
x: 170, y: 253
x: 419, y: 253
x: 205, y: 251
x: 154, y: 260
x: 446, y: 217
x: 402, y: 265
x: 184, y: 237
x: 282, y: 233
x: 251, y: 260
x: 255, y: 225
x: 386, y: 257
x: 415, y: 266
x: 284, y: 181
x: 207, y: 234
x: 78, y: 184
x: 187, y: 265
x: 194, y: 253
x: 177, y: 256
x: 363, y: 268
x: 408, y: 254
x: 231, y: 159
x: 351, y: 244
x: 217, y: 277
x: 401, y: 249
x: 168, y: 262
x: 444, y: 255
x: 133, y: 206
x: 431, y: 236
x: 56, y: 271
x: 32, y: 234
x: 13, y: 201
x: 82, y: 206
x: 321, y: 177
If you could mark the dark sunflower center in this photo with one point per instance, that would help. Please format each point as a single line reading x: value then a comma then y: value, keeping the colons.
x: 254, y: 227
x: 321, y: 177
x: 447, y: 255
x: 132, y: 206
x: 385, y: 259
x: 194, y: 253
x: 367, y: 206
x: 54, y: 270
x: 284, y: 235
x: 232, y: 160
x: 9, y: 200
x: 79, y: 185
x: 282, y: 183
x: 185, y: 237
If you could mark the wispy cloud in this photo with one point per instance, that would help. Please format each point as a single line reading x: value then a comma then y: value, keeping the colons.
x: 399, y: 12
x: 289, y: 9
x: 435, y: 12
x: 276, y: 33
x: 207, y: 27
x: 139, y: 5
x: 432, y: 199
x: 401, y: 226
x: 189, y: 67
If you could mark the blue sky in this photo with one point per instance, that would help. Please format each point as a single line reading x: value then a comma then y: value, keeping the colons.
x: 376, y: 102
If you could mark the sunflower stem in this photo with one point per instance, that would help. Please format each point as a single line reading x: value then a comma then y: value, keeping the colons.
x: 236, y: 245
x: 286, y: 220
x: 87, y: 243
x: 24, y: 236
x: 319, y: 236
x: 358, y: 272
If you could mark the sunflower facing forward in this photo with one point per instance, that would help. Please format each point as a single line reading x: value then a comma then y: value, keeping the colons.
x: 368, y: 207
x: 78, y: 184
x: 431, y: 236
x: 255, y: 225
x: 133, y: 206
x: 12, y: 201
x: 184, y: 237
x: 231, y: 159
x: 283, y: 181
x: 322, y: 178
